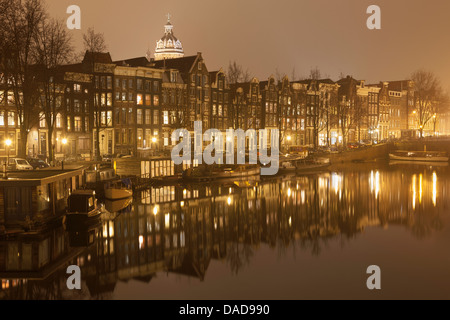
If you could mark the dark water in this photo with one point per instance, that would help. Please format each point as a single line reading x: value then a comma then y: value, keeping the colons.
x: 301, y: 237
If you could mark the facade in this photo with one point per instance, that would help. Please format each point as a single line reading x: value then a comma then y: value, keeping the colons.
x: 220, y: 100
x: 195, y: 75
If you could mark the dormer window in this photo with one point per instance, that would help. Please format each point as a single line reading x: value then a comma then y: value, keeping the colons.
x: 199, y: 66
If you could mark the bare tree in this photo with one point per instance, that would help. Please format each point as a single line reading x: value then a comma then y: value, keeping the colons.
x: 427, y: 95
x: 20, y: 20
x: 236, y: 74
x: 54, y: 48
x: 95, y: 44
x: 315, y: 73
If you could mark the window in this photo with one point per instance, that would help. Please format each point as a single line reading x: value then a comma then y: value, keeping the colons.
x: 11, y: 118
x: 117, y: 83
x: 86, y: 124
x: 103, y: 100
x: 42, y: 120
x: 139, y: 100
x: 140, y: 138
x: 109, y: 118
x: 109, y: 82
x: 68, y: 124
x: 124, y: 96
x: 130, y: 96
x: 76, y: 106
x: 148, y: 99
x: 156, y: 101
x: 117, y: 115
x: 117, y: 96
x: 130, y: 83
x: 155, y: 117
x: 103, y: 118
x: 147, y: 85
x: 77, y: 88
x: 139, y: 116
x: 155, y: 86
x: 109, y: 99
x: 2, y: 118
x: 165, y: 117
x: 124, y: 84
x: 130, y: 116
x: 147, y: 117
x: 77, y: 124
x: 200, y: 66
x: 139, y: 84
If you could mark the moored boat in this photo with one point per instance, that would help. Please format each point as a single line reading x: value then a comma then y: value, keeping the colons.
x: 427, y: 156
x: 117, y: 190
x: 82, y: 209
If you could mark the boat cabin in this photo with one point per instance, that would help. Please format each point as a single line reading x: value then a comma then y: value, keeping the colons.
x: 82, y: 201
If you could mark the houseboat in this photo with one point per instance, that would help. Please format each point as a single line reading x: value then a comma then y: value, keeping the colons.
x: 31, y: 200
x: 427, y: 156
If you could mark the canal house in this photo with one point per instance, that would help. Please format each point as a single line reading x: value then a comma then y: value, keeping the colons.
x: 29, y: 200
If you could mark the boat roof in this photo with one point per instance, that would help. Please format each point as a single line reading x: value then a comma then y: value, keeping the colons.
x: 83, y: 193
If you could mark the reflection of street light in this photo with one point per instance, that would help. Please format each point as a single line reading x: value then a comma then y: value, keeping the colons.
x: 64, y: 142
x: 8, y: 143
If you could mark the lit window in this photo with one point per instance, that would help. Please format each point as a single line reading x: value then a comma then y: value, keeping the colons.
x: 140, y: 102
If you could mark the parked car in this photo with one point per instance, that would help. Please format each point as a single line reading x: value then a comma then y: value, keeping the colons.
x: 352, y: 146
x: 19, y: 164
x: 38, y: 163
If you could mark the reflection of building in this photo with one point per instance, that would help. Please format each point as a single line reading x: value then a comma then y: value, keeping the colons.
x: 180, y: 229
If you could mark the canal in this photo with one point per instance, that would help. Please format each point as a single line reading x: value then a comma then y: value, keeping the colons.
x: 309, y: 236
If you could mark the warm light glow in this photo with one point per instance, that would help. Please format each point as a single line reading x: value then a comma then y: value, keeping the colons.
x: 141, y: 241
x: 155, y: 210
x: 414, y: 192
x: 182, y: 203
x: 229, y: 200
x: 64, y: 141
x: 420, y: 188
x: 289, y: 192
x: 290, y: 221
x: 167, y: 220
x: 8, y: 142
x: 289, y: 138
x: 434, y: 188
x: 153, y: 139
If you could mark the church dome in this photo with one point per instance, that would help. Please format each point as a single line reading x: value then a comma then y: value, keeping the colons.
x: 168, y: 47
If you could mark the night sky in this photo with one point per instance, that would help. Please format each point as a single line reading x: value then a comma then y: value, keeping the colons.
x: 265, y: 36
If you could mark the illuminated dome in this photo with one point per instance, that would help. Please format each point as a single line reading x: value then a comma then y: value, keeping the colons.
x: 168, y: 47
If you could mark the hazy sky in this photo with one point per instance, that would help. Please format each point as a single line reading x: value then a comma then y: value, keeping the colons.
x: 264, y: 36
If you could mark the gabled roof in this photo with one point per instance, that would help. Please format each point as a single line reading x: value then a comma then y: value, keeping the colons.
x: 99, y: 57
x: 184, y: 65
x: 134, y: 62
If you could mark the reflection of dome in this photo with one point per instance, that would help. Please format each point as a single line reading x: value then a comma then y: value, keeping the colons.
x: 168, y: 47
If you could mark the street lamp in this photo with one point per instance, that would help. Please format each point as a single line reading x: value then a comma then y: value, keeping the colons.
x: 8, y: 143
x: 64, y: 142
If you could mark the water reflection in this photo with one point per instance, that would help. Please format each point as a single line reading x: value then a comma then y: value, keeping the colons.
x: 181, y: 229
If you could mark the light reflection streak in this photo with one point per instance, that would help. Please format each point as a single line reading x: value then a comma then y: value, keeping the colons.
x: 434, y: 188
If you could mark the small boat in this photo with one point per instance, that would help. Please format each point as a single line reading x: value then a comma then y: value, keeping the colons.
x: 287, y: 166
x: 118, y: 190
x: 428, y: 156
x: 82, y: 209
x: 116, y: 206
